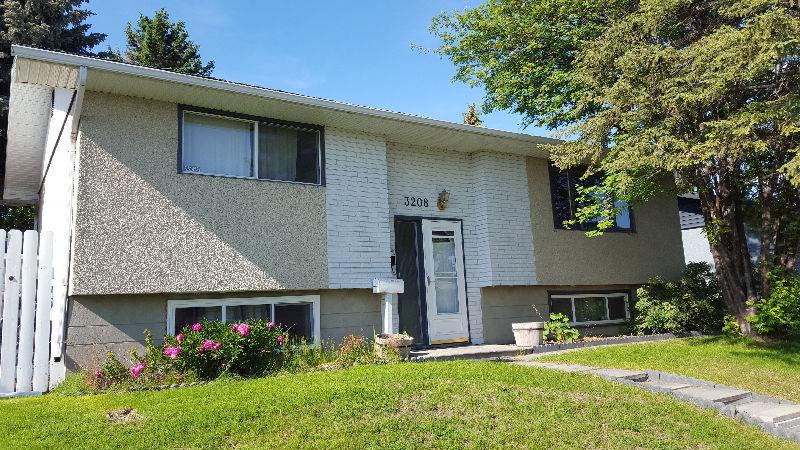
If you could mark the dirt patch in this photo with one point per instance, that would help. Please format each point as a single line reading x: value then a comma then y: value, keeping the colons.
x: 124, y: 415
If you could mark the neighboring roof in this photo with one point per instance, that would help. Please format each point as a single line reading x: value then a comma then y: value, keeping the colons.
x: 138, y: 81
x: 691, y: 215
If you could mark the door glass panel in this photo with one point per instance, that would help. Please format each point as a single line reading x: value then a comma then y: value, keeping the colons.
x: 590, y: 309
x: 444, y: 256
x: 446, y: 295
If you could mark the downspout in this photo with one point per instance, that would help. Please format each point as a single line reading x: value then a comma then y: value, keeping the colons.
x: 58, y: 344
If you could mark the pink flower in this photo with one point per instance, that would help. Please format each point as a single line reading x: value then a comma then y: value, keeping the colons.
x: 137, y: 369
x: 280, y: 339
x: 179, y: 337
x: 98, y: 373
x: 172, y: 352
x: 208, y: 344
x: 197, y: 327
x: 243, y: 329
x: 233, y: 326
x: 270, y: 325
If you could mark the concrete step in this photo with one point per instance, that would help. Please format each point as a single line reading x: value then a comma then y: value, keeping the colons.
x: 621, y: 374
x: 667, y: 385
x: 714, y: 394
x: 769, y: 412
x: 791, y: 424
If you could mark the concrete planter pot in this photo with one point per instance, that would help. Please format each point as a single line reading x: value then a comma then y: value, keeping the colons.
x: 528, y: 334
x: 400, y: 343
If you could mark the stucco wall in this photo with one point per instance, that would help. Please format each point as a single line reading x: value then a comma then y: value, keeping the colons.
x: 504, y: 305
x: 568, y: 257
x: 98, y: 324
x: 143, y: 228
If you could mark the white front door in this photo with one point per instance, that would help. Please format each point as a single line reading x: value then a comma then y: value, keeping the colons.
x: 445, y: 287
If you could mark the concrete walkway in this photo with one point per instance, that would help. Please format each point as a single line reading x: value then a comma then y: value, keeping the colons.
x: 777, y: 417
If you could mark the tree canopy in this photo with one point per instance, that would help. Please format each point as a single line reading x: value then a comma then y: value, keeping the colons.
x: 705, y: 92
x: 157, y: 42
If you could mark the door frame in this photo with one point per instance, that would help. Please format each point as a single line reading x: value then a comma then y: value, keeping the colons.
x: 421, y: 273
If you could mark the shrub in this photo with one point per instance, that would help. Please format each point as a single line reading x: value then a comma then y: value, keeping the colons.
x: 693, y: 303
x: 211, y: 348
x: 779, y: 314
x: 559, y: 328
x: 731, y: 327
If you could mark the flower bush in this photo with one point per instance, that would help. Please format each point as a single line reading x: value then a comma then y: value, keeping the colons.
x: 210, y: 348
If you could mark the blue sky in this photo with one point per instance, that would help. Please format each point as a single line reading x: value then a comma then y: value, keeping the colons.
x: 353, y: 51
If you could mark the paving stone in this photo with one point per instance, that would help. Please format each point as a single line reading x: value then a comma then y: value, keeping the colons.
x: 669, y: 385
x: 633, y: 375
x: 769, y: 412
x: 792, y: 424
x: 714, y: 394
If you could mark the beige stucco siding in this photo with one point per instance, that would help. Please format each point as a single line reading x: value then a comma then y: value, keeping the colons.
x: 143, y: 228
x: 568, y: 257
x: 504, y: 305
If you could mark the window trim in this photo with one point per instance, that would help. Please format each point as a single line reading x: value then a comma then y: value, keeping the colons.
x: 552, y: 171
x: 172, y: 305
x: 256, y: 120
x: 605, y: 295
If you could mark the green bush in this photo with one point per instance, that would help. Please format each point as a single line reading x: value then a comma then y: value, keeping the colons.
x: 559, y: 328
x: 693, y: 303
x: 779, y: 314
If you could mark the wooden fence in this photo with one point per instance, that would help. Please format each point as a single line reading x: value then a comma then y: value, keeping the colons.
x: 26, y: 302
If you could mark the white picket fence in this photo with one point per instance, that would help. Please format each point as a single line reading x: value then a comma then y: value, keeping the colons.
x: 26, y: 305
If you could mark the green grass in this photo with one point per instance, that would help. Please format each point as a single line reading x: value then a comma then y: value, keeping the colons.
x: 441, y: 405
x: 765, y: 368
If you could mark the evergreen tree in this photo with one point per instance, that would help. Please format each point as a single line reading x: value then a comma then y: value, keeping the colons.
x: 471, y: 117
x: 157, y: 42
x: 49, y: 24
x: 647, y: 90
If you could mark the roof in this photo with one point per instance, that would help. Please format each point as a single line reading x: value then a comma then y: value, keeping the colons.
x: 52, y: 69
x: 691, y: 215
x: 102, y: 71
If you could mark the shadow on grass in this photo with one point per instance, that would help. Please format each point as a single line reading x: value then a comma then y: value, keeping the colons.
x: 769, y: 349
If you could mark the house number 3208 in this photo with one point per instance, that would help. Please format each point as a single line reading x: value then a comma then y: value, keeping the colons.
x: 419, y: 202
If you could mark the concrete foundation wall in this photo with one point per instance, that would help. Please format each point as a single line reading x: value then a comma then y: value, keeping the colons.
x: 504, y: 305
x: 99, y: 324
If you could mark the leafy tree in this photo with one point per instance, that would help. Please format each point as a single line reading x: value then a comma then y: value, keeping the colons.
x: 157, y: 42
x: 50, y: 24
x: 704, y: 92
x: 471, y: 117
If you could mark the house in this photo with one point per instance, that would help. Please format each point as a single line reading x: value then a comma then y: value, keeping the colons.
x: 695, y: 242
x: 173, y: 197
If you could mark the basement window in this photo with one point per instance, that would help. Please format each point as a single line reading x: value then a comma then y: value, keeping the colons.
x: 221, y: 144
x: 591, y: 308
x: 299, y: 315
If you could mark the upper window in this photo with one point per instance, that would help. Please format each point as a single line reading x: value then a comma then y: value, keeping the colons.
x: 564, y: 194
x: 591, y: 308
x: 299, y: 315
x: 222, y: 145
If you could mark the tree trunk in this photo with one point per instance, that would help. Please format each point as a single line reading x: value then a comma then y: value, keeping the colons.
x: 725, y: 230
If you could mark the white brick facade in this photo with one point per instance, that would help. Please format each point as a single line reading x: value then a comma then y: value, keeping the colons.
x: 367, y: 185
x: 357, y: 209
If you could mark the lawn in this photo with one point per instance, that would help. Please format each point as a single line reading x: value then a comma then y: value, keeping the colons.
x: 412, y: 405
x: 765, y: 368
